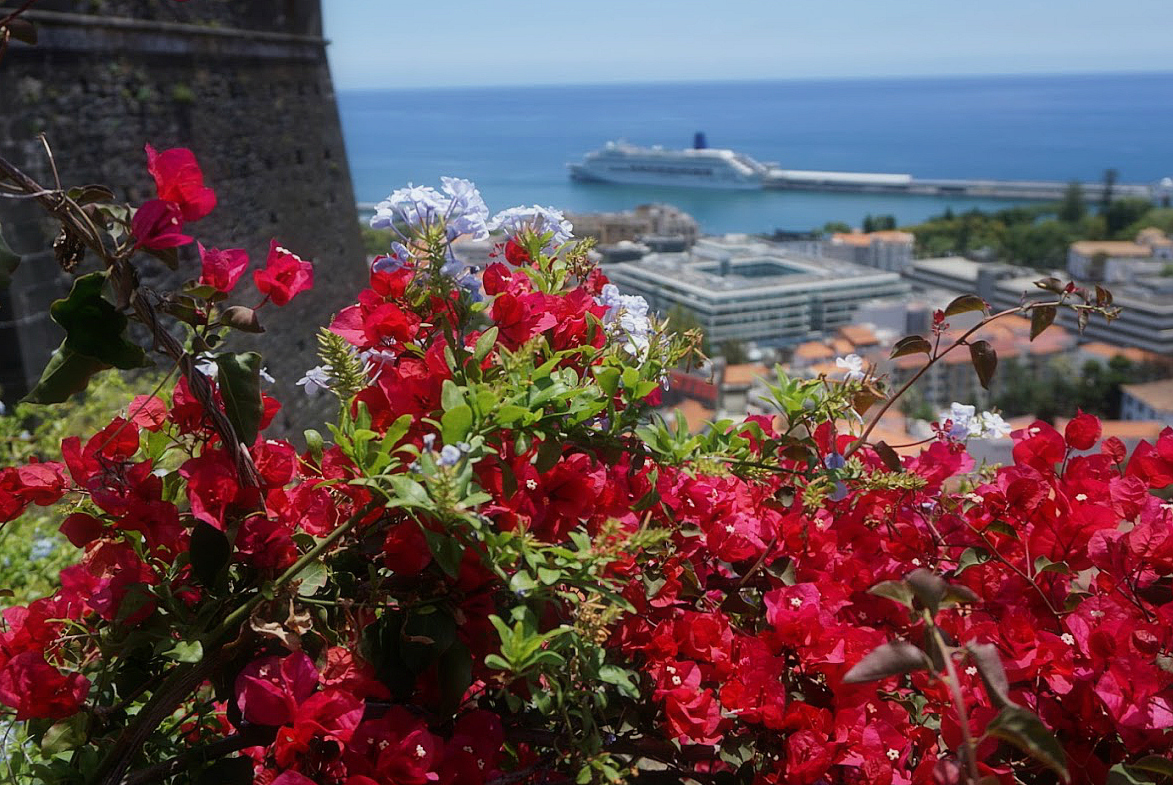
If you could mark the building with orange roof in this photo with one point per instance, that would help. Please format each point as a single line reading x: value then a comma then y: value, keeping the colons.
x: 860, y: 336
x: 696, y: 416
x: 1105, y: 352
x: 811, y: 352
x: 887, y: 250
x: 1120, y: 261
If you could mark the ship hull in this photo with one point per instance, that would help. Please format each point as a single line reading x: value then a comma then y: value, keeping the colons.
x: 620, y: 177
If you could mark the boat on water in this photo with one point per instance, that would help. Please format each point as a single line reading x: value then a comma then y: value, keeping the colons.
x: 699, y: 166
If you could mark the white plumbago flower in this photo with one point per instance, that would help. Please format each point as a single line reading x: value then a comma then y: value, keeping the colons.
x: 467, y: 212
x: 964, y: 423
x: 459, y: 207
x: 316, y: 379
x: 538, y: 220
x: 627, y: 318
x: 207, y: 366
x: 993, y: 426
x: 853, y: 364
x: 449, y: 455
x: 268, y: 377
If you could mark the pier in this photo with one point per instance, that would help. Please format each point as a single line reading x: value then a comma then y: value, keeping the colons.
x: 877, y: 183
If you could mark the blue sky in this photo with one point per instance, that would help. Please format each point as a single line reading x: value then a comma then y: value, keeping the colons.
x: 409, y: 43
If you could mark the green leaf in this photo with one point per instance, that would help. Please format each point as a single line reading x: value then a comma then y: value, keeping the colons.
x: 425, y: 637
x: 1121, y: 774
x: 891, y: 659
x: 621, y: 678
x: 1043, y: 564
x: 888, y: 456
x: 989, y: 665
x: 66, y: 373
x: 485, y: 344
x: 94, y: 327
x: 1041, y: 317
x: 451, y: 395
x: 510, y: 413
x: 454, y: 670
x: 1051, y: 284
x: 1026, y: 731
x: 456, y: 423
x: 8, y: 261
x: 985, y: 360
x: 928, y: 587
x: 608, y: 379
x: 314, y: 444
x: 312, y: 578
x: 964, y: 304
x: 408, y: 492
x: 185, y: 651
x: 65, y: 735
x: 210, y: 551
x: 971, y: 557
x: 522, y: 582
x: 240, y: 389
x: 240, y: 318
x: 1155, y: 764
x: 912, y: 344
x: 447, y: 551
x: 549, y: 451
x: 899, y: 591
x: 548, y: 576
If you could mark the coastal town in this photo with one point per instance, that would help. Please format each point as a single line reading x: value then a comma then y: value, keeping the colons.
x: 830, y: 304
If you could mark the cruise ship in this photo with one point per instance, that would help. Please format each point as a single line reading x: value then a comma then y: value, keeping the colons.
x: 699, y: 166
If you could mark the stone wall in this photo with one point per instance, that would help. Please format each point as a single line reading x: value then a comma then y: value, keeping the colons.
x: 244, y: 85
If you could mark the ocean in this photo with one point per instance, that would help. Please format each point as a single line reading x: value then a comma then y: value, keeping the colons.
x: 514, y: 142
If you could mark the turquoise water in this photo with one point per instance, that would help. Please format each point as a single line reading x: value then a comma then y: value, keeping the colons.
x: 515, y: 142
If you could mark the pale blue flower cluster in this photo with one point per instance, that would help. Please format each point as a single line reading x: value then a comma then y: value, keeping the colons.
x: 457, y: 205
x: 398, y: 257
x: 627, y: 318
x: 539, y: 220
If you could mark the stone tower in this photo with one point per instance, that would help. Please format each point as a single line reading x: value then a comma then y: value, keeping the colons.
x: 246, y: 86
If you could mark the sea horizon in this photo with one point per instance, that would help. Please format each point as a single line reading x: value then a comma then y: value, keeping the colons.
x: 514, y: 141
x: 962, y: 76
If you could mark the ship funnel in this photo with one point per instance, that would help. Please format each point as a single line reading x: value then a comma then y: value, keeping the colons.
x: 698, y: 141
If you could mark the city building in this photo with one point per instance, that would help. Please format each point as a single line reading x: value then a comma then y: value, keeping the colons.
x: 650, y: 224
x: 1120, y: 261
x: 887, y: 250
x: 746, y: 289
x: 1148, y: 401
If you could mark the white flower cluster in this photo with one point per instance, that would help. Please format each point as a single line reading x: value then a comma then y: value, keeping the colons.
x: 458, y: 205
x: 969, y: 423
x: 627, y: 319
x: 853, y: 364
x: 539, y: 220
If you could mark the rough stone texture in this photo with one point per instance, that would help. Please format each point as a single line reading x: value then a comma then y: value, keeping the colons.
x: 244, y: 85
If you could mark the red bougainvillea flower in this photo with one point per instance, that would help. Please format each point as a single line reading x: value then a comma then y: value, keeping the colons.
x: 158, y: 224
x: 222, y: 268
x: 269, y: 690
x: 38, y: 690
x: 1082, y: 432
x: 285, y: 275
x: 179, y: 179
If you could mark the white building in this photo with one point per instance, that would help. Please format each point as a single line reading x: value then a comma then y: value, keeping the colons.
x: 887, y: 250
x: 1120, y: 261
x: 1148, y: 401
x: 743, y: 289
